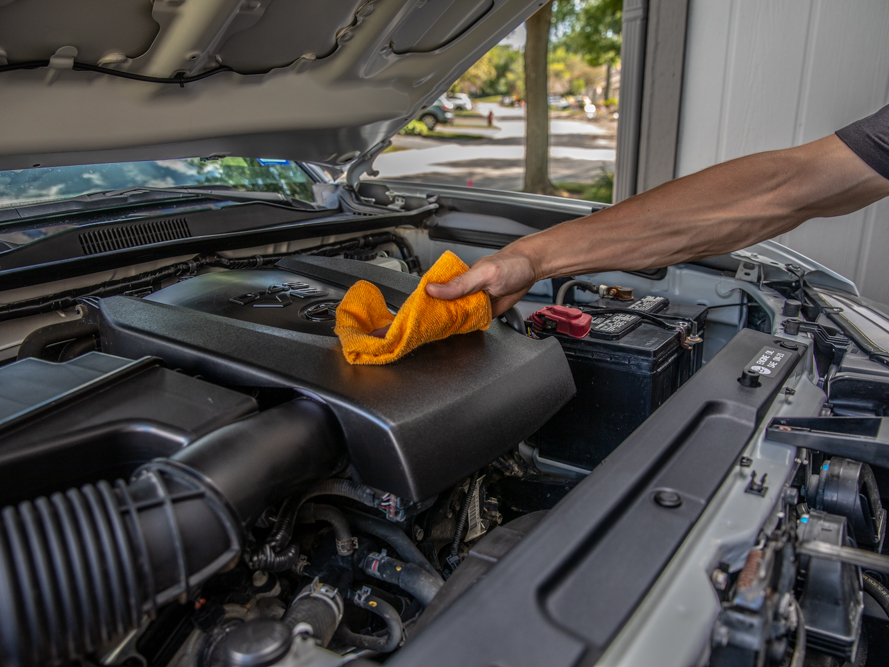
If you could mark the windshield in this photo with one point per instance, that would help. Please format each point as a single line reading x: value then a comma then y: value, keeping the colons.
x: 29, y: 186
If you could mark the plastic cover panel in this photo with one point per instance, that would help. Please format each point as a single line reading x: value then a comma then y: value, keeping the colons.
x: 412, y: 428
x: 564, y: 593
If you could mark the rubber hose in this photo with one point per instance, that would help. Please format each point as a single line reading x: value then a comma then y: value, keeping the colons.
x: 328, y: 487
x: 321, y: 615
x: 877, y: 591
x: 407, y: 576
x: 378, y: 607
x: 37, y: 341
x: 330, y: 514
x: 396, y: 538
x: 464, y: 513
x: 563, y: 290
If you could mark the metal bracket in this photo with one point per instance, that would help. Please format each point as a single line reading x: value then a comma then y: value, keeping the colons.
x: 864, y: 439
x: 826, y: 338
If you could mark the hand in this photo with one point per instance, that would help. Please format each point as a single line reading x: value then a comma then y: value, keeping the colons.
x: 505, y: 276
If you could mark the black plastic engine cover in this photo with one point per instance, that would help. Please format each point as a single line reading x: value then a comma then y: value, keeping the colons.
x: 412, y: 428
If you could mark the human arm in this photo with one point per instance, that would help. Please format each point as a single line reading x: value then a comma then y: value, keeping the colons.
x: 723, y: 208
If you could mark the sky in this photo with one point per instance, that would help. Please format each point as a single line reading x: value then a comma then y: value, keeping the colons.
x: 515, y: 39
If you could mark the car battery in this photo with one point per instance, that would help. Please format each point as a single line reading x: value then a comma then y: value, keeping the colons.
x: 624, y: 369
x: 693, y: 317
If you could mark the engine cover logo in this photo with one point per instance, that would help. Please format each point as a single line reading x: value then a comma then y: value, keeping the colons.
x: 321, y: 312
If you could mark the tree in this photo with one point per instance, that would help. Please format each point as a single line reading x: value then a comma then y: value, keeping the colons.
x: 477, y: 78
x: 593, y: 30
x: 537, y: 110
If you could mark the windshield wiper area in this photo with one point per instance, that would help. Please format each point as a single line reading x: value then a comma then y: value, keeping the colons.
x: 139, y: 194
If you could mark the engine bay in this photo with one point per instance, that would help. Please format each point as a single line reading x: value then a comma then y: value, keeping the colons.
x: 193, y: 474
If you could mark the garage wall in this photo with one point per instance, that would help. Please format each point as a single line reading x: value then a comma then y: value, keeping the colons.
x: 767, y: 74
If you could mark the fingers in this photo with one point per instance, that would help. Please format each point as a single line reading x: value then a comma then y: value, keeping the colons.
x: 474, y: 280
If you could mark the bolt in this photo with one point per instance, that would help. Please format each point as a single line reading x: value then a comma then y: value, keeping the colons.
x: 259, y: 578
x: 668, y: 499
x: 719, y: 579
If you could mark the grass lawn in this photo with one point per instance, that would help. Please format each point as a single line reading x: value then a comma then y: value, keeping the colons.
x: 600, y: 190
x: 396, y: 149
x: 489, y: 98
x: 479, y: 125
x: 434, y: 134
x: 467, y: 114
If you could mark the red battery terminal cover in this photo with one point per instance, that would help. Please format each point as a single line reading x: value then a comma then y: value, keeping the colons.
x: 562, y: 319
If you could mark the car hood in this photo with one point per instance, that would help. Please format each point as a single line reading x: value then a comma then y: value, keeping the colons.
x: 324, y: 82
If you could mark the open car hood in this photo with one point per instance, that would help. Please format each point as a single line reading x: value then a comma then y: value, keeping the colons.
x: 322, y: 82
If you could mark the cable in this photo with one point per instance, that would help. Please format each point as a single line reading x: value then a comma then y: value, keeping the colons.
x: 799, y: 649
x: 727, y: 305
x: 563, y: 290
x: 77, y: 66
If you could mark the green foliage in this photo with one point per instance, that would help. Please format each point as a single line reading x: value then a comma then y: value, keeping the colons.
x: 569, y: 73
x: 592, y: 29
x: 501, y: 71
x: 416, y: 128
x: 600, y: 190
x: 585, y: 35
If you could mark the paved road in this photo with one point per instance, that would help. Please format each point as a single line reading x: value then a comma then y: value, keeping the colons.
x: 578, y: 151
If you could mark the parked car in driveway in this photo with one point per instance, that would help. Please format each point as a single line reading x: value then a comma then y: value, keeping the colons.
x: 460, y: 101
x: 558, y: 102
x: 672, y: 467
x: 441, y: 111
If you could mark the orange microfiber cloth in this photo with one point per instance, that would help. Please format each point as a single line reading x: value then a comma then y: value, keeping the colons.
x: 420, y: 320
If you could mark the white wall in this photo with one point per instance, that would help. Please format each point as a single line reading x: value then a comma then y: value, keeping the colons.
x: 766, y: 74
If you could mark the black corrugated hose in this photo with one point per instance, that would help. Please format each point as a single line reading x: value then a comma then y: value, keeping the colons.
x: 81, y: 568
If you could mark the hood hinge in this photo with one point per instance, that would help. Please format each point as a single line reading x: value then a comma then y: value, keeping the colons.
x: 364, y: 165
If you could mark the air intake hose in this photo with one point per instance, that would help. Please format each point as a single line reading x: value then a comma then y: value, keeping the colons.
x: 82, y: 567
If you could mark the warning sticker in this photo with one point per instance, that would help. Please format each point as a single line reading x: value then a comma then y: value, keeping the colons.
x: 769, y: 360
x: 649, y: 304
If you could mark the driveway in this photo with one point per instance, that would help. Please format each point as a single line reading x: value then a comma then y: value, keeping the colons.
x: 579, y: 149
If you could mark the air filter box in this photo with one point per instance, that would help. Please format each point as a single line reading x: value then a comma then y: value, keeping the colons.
x: 623, y: 370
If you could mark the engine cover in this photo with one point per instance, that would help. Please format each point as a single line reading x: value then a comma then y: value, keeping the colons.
x: 412, y: 428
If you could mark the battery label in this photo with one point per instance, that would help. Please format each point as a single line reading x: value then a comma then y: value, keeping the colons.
x: 769, y: 360
x: 650, y: 304
x: 613, y: 326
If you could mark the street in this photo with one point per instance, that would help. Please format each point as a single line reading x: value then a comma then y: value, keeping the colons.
x: 579, y: 149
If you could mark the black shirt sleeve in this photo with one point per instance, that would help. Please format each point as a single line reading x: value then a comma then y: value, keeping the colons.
x: 869, y: 139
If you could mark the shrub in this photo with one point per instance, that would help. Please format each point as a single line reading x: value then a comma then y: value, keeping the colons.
x: 415, y: 128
